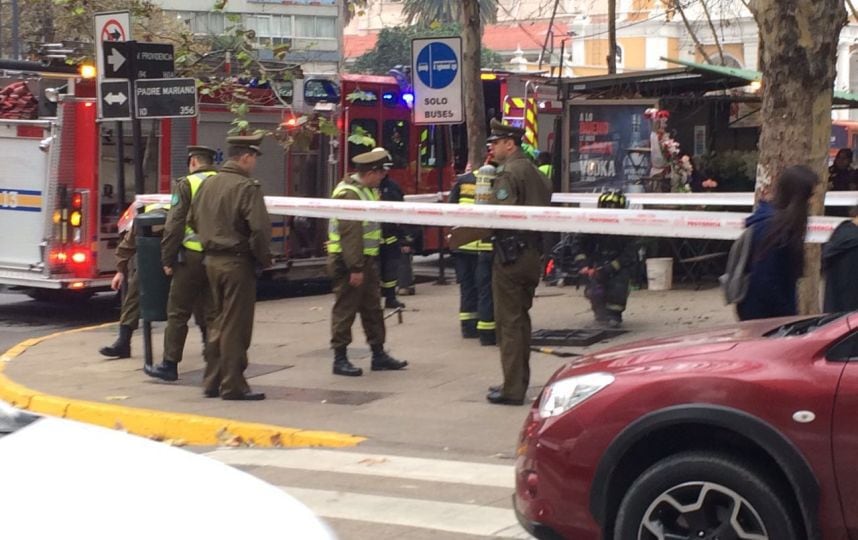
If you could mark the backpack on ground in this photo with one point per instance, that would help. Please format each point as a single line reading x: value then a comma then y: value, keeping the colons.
x: 735, y: 281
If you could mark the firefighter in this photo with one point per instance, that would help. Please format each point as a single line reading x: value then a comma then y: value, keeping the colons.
x: 182, y: 257
x: 391, y: 249
x: 126, y: 273
x: 229, y: 215
x: 353, y: 249
x: 516, y: 266
x: 474, y: 267
x: 608, y: 263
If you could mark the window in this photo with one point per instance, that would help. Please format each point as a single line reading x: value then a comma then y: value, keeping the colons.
x: 305, y: 27
x: 365, y: 127
x: 364, y: 98
x: 315, y: 27
x: 432, y: 152
x: 321, y: 91
x: 395, y: 140
x: 326, y: 27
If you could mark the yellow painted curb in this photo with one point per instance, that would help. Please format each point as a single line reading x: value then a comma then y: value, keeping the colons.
x: 161, y: 425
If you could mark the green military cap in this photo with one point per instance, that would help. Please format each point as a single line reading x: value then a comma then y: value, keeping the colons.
x: 375, y: 159
x: 203, y: 151
x: 247, y: 141
x: 504, y: 131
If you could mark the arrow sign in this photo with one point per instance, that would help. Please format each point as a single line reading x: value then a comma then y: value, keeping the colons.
x: 114, y: 103
x: 115, y: 60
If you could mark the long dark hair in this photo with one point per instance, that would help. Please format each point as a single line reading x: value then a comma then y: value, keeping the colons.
x: 789, y: 224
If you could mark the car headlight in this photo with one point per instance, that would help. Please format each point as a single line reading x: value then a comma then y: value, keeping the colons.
x: 564, y: 394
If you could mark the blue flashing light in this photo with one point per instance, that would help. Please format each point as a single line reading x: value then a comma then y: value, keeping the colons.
x: 408, y: 98
x: 387, y: 96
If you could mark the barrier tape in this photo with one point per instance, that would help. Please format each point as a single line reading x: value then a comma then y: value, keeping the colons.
x: 653, y: 223
x: 832, y: 198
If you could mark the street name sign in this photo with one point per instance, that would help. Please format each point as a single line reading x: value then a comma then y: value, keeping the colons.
x: 437, y: 78
x: 115, y: 103
x: 165, y: 98
x: 150, y: 60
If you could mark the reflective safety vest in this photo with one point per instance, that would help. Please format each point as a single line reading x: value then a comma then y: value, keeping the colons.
x: 546, y: 170
x: 371, y: 229
x: 468, y: 195
x: 191, y: 240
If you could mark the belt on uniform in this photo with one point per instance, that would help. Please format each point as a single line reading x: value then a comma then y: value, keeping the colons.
x: 228, y: 253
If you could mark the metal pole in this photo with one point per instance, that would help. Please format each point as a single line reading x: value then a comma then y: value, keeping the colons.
x: 612, y: 36
x: 442, y: 279
x: 147, y: 342
x: 136, y: 130
x: 16, y: 45
x: 549, y: 35
x: 120, y: 167
x: 1, y: 29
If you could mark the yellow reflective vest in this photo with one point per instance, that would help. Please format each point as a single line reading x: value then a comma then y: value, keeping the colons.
x: 191, y: 240
x: 371, y: 229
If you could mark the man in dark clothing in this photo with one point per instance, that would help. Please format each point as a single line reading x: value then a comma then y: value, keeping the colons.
x: 841, y: 175
x: 840, y: 266
x: 229, y: 215
x: 390, y: 251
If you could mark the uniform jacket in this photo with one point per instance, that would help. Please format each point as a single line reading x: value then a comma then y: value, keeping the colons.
x: 177, y: 217
x: 126, y: 250
x: 389, y: 190
x: 229, y: 215
x: 351, y: 233
x: 607, y: 254
x: 840, y: 265
x: 519, y: 183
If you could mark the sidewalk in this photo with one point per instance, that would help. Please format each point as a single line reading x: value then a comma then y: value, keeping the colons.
x: 437, y: 403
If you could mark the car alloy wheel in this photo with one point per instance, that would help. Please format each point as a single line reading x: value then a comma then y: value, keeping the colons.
x: 701, y: 510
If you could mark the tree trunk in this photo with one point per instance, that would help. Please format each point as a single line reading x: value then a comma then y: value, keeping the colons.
x: 799, y: 41
x: 475, y: 108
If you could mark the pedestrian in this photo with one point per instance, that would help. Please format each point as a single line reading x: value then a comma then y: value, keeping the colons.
x: 840, y: 266
x: 609, y: 261
x: 516, y: 267
x: 474, y: 268
x: 353, y: 248
x: 232, y: 223
x: 390, y: 251
x: 841, y: 173
x: 126, y: 279
x: 777, y: 247
x: 182, y: 257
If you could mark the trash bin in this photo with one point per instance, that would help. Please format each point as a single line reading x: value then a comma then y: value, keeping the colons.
x: 154, y: 284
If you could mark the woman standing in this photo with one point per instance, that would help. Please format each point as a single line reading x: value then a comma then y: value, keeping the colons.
x: 777, y: 247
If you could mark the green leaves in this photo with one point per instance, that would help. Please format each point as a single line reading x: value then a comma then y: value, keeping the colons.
x: 360, y: 95
x: 361, y: 136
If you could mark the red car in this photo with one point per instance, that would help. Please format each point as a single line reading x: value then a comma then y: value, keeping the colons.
x: 741, y: 432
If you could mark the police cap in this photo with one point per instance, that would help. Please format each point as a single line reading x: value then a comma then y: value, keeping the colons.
x: 252, y: 142
x: 374, y: 160
x: 203, y: 151
x: 504, y: 131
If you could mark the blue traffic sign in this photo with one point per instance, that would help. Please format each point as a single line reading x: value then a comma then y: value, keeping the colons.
x: 437, y: 65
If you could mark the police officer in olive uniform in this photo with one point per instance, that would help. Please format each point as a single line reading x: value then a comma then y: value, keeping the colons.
x: 182, y: 257
x: 126, y: 272
x: 516, y: 268
x: 353, y: 249
x: 229, y: 215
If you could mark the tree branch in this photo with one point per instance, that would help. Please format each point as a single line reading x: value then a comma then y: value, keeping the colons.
x: 691, y: 32
x: 714, y: 31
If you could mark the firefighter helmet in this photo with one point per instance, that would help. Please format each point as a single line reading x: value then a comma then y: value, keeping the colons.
x: 612, y: 199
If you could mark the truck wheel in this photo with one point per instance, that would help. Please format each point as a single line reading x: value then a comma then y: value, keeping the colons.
x: 59, y: 296
x: 703, y: 495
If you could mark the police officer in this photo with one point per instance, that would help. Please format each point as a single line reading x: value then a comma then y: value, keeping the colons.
x: 182, y: 257
x: 516, y: 266
x: 608, y: 262
x: 353, y: 249
x: 233, y: 227
x: 390, y: 251
x: 126, y: 272
x: 474, y: 268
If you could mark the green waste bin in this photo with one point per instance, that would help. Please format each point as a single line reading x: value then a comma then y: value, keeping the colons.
x: 154, y: 284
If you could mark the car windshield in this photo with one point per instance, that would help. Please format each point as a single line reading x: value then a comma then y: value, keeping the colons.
x: 804, y: 326
x: 12, y: 419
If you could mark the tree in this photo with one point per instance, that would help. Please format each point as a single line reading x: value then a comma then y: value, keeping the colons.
x: 799, y: 40
x: 446, y: 11
x: 393, y: 48
x: 475, y: 105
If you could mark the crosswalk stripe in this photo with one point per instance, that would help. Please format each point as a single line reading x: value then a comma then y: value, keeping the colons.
x: 442, y: 516
x: 431, y: 470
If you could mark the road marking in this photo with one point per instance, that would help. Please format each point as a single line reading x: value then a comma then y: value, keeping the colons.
x: 441, y: 516
x: 430, y: 470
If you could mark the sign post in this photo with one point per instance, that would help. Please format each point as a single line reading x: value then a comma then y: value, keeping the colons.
x: 437, y: 76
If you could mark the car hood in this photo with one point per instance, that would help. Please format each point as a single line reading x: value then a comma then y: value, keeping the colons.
x: 687, y: 345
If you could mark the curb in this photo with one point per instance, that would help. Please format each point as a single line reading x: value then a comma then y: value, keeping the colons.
x: 178, y: 428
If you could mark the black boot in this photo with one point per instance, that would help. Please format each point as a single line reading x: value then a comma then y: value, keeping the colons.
x: 204, y: 332
x: 381, y: 361
x: 121, y: 348
x: 390, y: 300
x: 488, y: 338
x: 342, y: 366
x: 469, y: 329
x: 166, y: 371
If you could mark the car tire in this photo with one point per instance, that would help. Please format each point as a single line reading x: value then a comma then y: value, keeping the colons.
x: 695, y: 492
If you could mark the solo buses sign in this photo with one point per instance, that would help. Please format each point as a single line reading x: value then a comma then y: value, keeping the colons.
x: 436, y: 72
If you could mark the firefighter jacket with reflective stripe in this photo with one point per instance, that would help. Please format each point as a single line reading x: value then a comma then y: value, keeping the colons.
x: 338, y: 236
x: 191, y: 240
x: 464, y: 192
